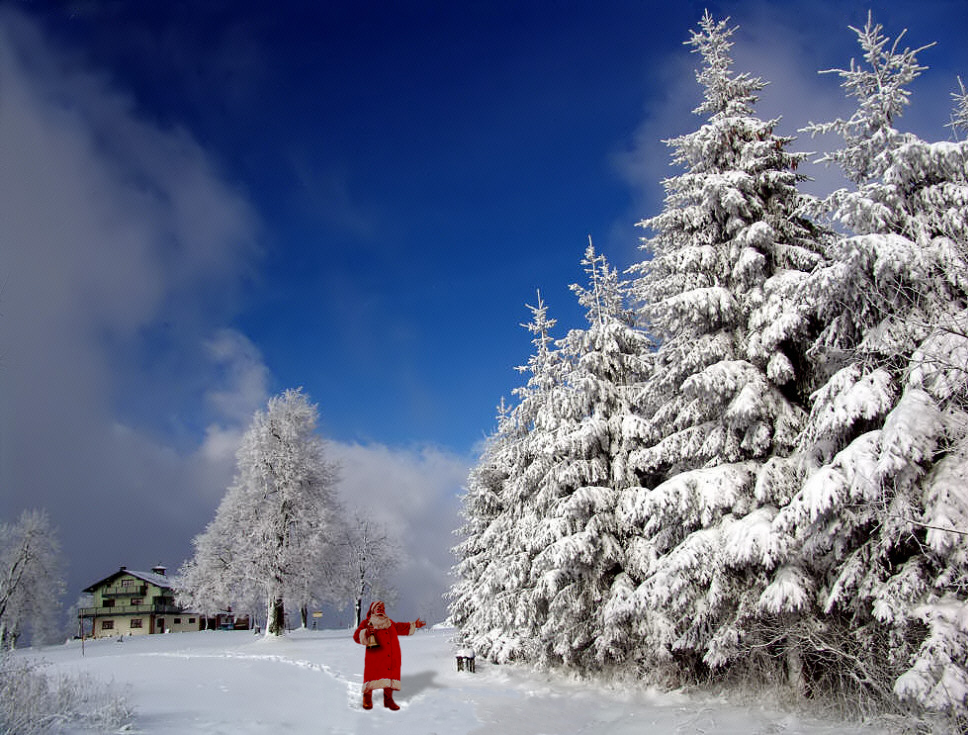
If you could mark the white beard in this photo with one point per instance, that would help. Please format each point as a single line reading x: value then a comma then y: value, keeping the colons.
x: 379, y: 622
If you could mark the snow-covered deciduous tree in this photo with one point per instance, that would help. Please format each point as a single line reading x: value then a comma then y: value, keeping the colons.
x: 959, y: 116
x: 369, y: 557
x: 275, y: 534
x: 728, y: 385
x: 214, y: 579
x: 883, y: 449
x: 31, y: 575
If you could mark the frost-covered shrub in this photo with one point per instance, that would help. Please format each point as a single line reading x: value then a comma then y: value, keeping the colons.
x: 31, y: 702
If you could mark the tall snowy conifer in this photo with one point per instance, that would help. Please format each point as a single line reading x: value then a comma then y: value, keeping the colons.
x: 579, y: 547
x: 959, y: 117
x: 726, y: 392
x: 495, y: 611
x: 542, y: 546
x: 274, y: 534
x: 884, y: 449
x: 482, y: 504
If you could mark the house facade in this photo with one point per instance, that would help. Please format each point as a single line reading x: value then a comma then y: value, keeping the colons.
x: 136, y: 603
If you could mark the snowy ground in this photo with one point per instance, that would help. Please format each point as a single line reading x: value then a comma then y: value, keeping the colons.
x: 235, y: 683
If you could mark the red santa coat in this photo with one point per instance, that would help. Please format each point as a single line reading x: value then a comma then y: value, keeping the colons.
x: 381, y: 665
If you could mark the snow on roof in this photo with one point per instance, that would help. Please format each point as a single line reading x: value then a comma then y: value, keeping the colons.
x: 159, y: 580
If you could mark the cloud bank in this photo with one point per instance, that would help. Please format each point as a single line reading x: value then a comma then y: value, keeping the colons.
x: 124, y: 388
x: 122, y: 254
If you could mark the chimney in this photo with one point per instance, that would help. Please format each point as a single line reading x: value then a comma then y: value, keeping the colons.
x: 158, y: 569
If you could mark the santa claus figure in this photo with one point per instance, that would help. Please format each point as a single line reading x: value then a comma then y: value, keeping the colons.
x: 381, y: 666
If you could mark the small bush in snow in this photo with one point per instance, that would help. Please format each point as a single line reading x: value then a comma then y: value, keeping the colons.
x: 31, y: 702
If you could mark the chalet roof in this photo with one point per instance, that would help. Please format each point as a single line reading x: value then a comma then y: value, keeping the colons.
x: 159, y: 580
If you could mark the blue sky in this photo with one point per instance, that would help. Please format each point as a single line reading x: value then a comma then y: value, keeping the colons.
x: 205, y: 203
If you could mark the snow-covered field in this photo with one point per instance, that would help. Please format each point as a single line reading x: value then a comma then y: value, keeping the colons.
x: 234, y: 683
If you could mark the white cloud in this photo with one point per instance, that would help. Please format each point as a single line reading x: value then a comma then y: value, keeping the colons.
x: 245, y: 376
x: 220, y: 444
x: 121, y: 252
x: 415, y: 493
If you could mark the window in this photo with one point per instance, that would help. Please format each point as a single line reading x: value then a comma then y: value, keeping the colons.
x: 107, y: 625
x: 191, y: 621
x: 109, y: 603
x: 136, y: 623
x: 177, y: 621
x: 128, y: 582
x: 137, y: 600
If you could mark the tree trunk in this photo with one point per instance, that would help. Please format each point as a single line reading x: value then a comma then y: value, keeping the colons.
x: 794, y: 666
x: 276, y: 617
x: 304, y: 616
x: 361, y: 560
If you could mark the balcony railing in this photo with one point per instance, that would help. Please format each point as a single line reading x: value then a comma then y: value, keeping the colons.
x: 103, y: 612
x: 125, y: 592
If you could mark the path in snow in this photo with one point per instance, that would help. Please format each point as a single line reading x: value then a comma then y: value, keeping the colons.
x: 233, y: 683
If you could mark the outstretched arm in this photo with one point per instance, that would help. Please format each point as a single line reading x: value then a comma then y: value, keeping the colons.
x: 408, y: 628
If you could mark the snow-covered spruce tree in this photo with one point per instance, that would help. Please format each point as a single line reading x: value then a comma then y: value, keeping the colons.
x: 275, y: 532
x: 880, y: 88
x: 496, y: 612
x: 481, y: 505
x: 579, y: 550
x: 31, y: 576
x: 728, y: 385
x: 884, y: 448
x: 959, y: 117
x: 541, y: 547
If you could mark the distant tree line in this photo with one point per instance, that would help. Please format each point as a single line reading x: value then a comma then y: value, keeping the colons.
x: 751, y: 464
